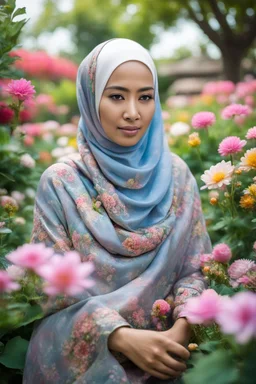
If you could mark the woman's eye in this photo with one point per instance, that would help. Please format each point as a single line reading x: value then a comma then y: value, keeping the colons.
x: 116, y: 97
x: 146, y: 97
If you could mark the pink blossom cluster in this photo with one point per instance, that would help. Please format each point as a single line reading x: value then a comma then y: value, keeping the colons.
x: 231, y: 145
x: 243, y: 272
x: 40, y: 65
x: 236, y: 315
x: 251, y: 133
x: 20, y: 89
x: 219, y: 87
x: 203, y: 120
x: 233, y: 110
x: 62, y: 273
x: 220, y: 253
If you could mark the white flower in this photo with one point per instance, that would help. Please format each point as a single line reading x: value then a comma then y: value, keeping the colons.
x: 30, y: 192
x: 62, y: 141
x: 18, y: 196
x: 179, y: 128
x: 27, y: 161
x: 248, y: 161
x: 20, y: 221
x: 218, y: 175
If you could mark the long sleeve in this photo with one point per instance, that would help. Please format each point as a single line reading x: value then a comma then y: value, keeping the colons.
x: 191, y: 281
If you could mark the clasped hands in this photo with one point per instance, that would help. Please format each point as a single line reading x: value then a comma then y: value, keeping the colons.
x: 161, y: 354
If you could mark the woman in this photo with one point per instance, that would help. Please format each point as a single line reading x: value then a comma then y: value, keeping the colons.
x: 130, y: 206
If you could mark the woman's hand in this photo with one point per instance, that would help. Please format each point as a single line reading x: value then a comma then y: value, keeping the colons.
x: 151, y: 351
x: 180, y: 332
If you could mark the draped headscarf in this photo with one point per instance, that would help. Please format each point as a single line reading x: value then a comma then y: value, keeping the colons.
x: 145, y: 166
x: 134, y: 212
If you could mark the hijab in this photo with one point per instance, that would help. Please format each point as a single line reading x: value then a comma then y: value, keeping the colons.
x: 141, y: 174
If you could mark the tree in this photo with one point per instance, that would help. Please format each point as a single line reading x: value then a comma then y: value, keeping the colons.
x: 229, y: 24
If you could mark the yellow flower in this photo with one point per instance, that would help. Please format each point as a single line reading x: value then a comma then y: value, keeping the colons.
x: 194, y: 139
x: 248, y: 161
x: 72, y: 142
x: 207, y: 99
x: 183, y: 116
x: 213, y: 201
x: 252, y: 190
x: 247, y: 202
x: 192, y: 347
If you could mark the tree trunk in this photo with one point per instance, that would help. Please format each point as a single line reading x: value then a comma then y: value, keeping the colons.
x: 232, y: 62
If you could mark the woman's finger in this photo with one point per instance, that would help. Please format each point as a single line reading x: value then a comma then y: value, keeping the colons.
x: 171, y: 362
x: 177, y: 350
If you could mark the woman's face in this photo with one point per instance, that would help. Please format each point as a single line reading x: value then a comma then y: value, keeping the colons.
x: 127, y: 104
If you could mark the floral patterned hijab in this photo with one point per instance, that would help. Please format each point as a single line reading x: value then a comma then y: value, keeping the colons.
x: 134, y: 212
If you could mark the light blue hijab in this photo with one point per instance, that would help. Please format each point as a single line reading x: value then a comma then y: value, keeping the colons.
x: 141, y: 174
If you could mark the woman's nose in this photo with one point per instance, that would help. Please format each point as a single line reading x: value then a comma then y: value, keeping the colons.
x: 131, y: 111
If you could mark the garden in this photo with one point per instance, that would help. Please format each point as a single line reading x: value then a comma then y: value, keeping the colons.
x: 214, y: 132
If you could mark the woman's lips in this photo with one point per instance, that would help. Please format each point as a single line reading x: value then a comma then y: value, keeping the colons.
x: 129, y: 131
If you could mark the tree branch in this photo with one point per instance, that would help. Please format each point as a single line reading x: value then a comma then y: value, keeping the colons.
x: 213, y: 35
x: 221, y: 19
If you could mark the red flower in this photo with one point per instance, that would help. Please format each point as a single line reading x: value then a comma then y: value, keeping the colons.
x: 6, y: 113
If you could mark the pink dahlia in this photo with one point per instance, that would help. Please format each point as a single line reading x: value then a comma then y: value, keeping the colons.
x: 238, y: 316
x: 240, y: 268
x: 205, y: 258
x: 160, y: 308
x: 235, y: 110
x: 204, y: 308
x: 6, y: 113
x: 203, y: 120
x: 66, y: 274
x: 6, y: 284
x: 251, y: 133
x: 221, y: 253
x: 230, y: 145
x: 30, y: 256
x: 21, y: 89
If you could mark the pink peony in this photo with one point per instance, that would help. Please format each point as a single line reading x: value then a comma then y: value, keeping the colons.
x: 6, y: 113
x: 251, y: 133
x: 235, y: 110
x: 66, y: 274
x: 21, y: 89
x: 205, y: 258
x: 6, y: 284
x: 203, y: 120
x: 30, y: 256
x: 221, y: 253
x: 203, y: 309
x: 230, y: 145
x: 240, y: 268
x: 9, y: 203
x: 160, y: 307
x: 238, y: 316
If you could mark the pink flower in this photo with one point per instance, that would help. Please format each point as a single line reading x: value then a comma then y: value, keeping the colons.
x: 30, y: 256
x: 6, y: 113
x: 230, y: 145
x: 251, y: 133
x: 235, y: 110
x: 238, y: 316
x: 21, y: 89
x: 221, y: 253
x: 66, y: 274
x: 205, y: 258
x: 15, y: 272
x: 6, y: 284
x: 203, y: 120
x: 160, y: 307
x: 240, y: 268
x: 203, y: 309
x: 27, y: 161
x: 9, y: 203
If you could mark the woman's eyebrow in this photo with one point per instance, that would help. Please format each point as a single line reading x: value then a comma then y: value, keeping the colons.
x: 127, y: 90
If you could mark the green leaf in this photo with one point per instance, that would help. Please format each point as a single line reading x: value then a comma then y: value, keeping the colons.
x: 218, y: 367
x: 15, y: 353
x: 6, y: 176
x: 209, y: 346
x: 19, y: 11
x: 33, y: 312
x: 5, y: 231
